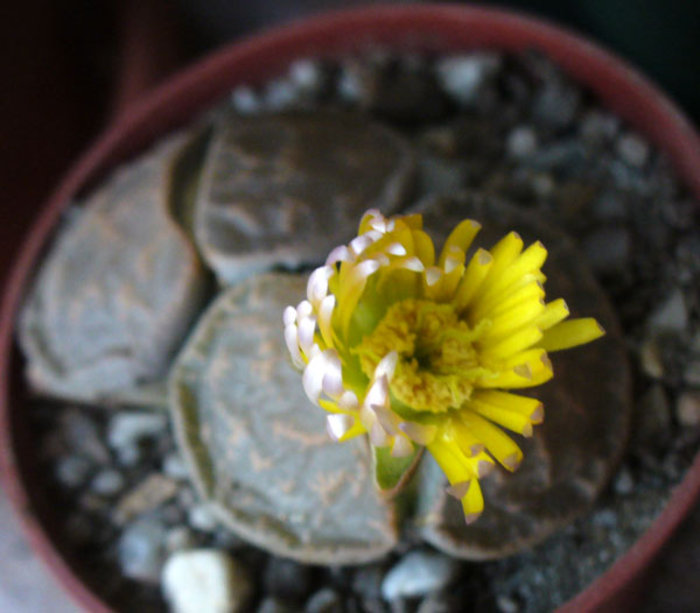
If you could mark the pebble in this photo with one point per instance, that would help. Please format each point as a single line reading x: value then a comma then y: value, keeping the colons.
x: 83, y: 437
x: 417, y: 574
x: 691, y: 373
x: 129, y: 455
x: 624, y: 482
x: 462, y: 77
x: 141, y: 550
x: 326, y: 600
x: 175, y: 467
x: 651, y: 359
x: 126, y: 429
x: 598, y: 127
x: 271, y: 604
x: 205, y: 581
x: 287, y: 579
x: 245, y: 100
x: 671, y: 315
x: 72, y: 471
x: 633, y: 150
x: 521, y: 142
x: 107, y: 482
x: 179, y: 538
x: 149, y: 494
x: 367, y: 581
x: 307, y: 75
x: 201, y: 517
x: 610, y: 206
x: 688, y: 409
x: 280, y: 94
x: 652, y: 426
x: 436, y: 603
x: 506, y: 604
x: 555, y: 105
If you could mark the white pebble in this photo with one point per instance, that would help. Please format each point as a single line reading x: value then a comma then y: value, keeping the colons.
x: 245, y: 100
x: 522, y: 142
x: 126, y: 429
x: 462, y: 76
x: 417, y: 574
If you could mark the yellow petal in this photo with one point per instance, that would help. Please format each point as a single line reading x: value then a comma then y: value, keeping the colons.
x: 515, y: 343
x: 497, y: 442
x: 461, y: 237
x: 530, y: 407
x: 473, y: 502
x: 571, y: 333
x: 553, y: 313
x: 473, y: 277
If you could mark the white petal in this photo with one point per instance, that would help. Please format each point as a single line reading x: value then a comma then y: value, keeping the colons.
x: 432, y: 275
x: 386, y: 418
x: 414, y: 264
x: 396, y: 249
x: 325, y: 312
x: 339, y: 254
x: 317, y: 286
x: 359, y: 244
x: 451, y: 263
x: 307, y: 328
x: 378, y: 393
x: 378, y: 436
x: 387, y: 366
x: 366, y: 268
x: 292, y: 340
x: 402, y: 447
x: 289, y: 316
x: 312, y: 379
x: 304, y: 309
x: 422, y: 434
x: 373, y: 235
x: 348, y: 400
x: 333, y: 379
x: 338, y: 425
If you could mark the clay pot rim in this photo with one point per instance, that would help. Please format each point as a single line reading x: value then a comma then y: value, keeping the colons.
x: 442, y: 28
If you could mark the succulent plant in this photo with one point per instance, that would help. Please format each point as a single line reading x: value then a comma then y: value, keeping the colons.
x: 123, y: 283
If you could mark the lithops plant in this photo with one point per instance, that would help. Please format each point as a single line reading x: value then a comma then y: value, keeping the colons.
x: 117, y: 292
x: 261, y: 454
x: 120, y: 287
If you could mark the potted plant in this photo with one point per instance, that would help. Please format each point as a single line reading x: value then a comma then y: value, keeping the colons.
x: 433, y: 29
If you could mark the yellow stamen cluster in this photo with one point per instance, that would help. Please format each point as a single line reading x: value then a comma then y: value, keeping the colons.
x: 420, y: 350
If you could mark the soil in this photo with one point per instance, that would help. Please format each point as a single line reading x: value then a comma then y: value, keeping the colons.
x: 514, y: 127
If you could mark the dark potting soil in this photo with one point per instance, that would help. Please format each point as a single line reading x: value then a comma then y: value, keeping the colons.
x: 514, y: 127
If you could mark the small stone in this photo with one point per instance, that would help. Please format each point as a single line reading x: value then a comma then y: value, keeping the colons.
x: 287, y: 579
x: 688, y: 409
x: 462, y: 77
x: 608, y: 249
x: 175, y: 467
x: 280, y: 95
x: 610, y: 206
x: 72, y: 471
x: 671, y: 315
x: 691, y: 373
x: 141, y: 551
x: 633, y: 150
x: 651, y: 358
x: 129, y: 455
x: 599, y: 127
x: 325, y: 600
x: 542, y: 185
x: 149, y: 494
x: 606, y: 518
x: 521, y: 142
x: 624, y: 482
x: 436, y: 603
x: 555, y: 105
x: 179, y: 538
x: 506, y: 604
x: 201, y: 517
x: 272, y: 604
x: 307, y: 75
x: 245, y: 100
x: 417, y: 574
x: 107, y: 483
x: 205, y: 580
x: 82, y: 436
x: 127, y: 429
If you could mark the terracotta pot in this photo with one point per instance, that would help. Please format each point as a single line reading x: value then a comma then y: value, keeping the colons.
x: 430, y: 28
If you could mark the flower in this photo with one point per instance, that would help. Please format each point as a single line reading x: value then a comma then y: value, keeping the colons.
x: 419, y: 350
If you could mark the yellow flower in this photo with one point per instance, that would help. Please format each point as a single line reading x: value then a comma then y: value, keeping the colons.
x: 421, y: 351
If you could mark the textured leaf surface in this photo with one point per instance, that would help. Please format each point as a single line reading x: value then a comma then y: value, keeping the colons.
x: 117, y: 291
x: 285, y: 189
x: 258, y: 448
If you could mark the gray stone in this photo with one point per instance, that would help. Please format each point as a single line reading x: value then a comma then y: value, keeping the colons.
x: 651, y: 358
x: 272, y: 604
x: 260, y: 452
x: 117, y: 291
x: 555, y: 105
x: 691, y: 373
x: 438, y: 602
x: 175, y: 467
x: 633, y: 150
x: 307, y: 75
x: 202, y: 518
x: 82, y: 436
x: 506, y: 604
x: 282, y: 190
x: 108, y: 482
x: 688, y: 409
x: 521, y: 142
x: 326, y: 600
x: 179, y: 538
x: 367, y: 581
x: 418, y: 573
x: 464, y: 76
x: 652, y: 423
x: 624, y: 482
x: 280, y: 95
x: 72, y: 471
x: 599, y: 127
x: 205, y: 580
x: 141, y: 551
x: 126, y: 429
x: 129, y: 456
x: 148, y: 495
x: 244, y: 100
x: 671, y: 315
x: 608, y: 249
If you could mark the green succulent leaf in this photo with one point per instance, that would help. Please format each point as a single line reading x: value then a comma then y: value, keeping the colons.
x: 390, y: 473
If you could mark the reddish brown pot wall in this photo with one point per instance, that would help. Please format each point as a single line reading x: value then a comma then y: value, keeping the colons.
x: 431, y: 28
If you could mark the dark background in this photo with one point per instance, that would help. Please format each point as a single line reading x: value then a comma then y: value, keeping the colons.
x: 68, y: 67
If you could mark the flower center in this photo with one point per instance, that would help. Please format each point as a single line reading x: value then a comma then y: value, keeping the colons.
x: 438, y: 362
